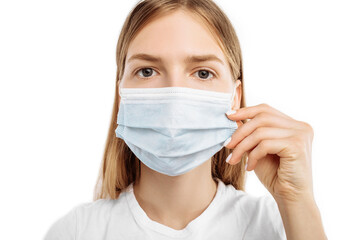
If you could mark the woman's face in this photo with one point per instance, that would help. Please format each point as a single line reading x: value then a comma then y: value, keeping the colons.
x: 171, y: 48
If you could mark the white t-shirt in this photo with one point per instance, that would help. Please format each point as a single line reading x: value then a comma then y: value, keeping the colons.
x: 232, y: 214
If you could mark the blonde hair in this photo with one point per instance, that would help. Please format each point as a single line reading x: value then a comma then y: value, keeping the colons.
x: 119, y: 166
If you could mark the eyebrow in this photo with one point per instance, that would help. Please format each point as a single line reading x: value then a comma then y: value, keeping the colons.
x: 189, y: 59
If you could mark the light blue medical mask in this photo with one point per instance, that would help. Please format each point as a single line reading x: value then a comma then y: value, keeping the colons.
x: 174, y: 129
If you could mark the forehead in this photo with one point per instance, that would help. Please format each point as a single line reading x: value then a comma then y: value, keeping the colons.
x: 174, y: 36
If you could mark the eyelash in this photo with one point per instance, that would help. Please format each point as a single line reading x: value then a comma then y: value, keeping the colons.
x: 209, y: 79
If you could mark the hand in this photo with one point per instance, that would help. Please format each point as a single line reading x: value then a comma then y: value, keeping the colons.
x: 278, y: 148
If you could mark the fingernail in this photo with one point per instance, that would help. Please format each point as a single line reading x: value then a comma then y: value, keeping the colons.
x: 230, y: 112
x: 228, y: 158
x: 227, y: 142
x: 246, y: 166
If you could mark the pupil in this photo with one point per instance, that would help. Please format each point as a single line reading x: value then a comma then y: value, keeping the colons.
x: 146, y: 71
x: 204, y: 75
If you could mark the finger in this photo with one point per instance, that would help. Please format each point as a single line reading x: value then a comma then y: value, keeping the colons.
x: 265, y: 147
x: 261, y: 120
x: 255, y: 138
x: 239, y: 123
x: 252, y: 111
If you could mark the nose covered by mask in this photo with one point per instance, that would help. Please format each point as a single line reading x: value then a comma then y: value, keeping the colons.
x: 172, y: 130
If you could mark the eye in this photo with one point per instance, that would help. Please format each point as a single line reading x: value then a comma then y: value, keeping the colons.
x: 203, y: 74
x: 146, y: 72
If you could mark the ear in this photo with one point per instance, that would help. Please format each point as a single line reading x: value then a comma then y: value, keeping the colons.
x: 238, y: 92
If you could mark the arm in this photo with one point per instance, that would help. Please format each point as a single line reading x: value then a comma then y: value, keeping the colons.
x: 301, y: 219
x: 279, y: 151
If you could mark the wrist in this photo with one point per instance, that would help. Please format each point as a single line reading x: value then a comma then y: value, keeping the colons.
x: 301, y: 218
x: 304, y: 200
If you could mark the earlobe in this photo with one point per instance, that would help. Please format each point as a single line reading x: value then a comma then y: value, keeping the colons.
x: 238, y: 82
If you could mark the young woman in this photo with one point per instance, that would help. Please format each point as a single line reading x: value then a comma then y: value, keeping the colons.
x: 174, y: 164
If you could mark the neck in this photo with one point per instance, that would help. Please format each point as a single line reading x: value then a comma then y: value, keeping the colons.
x: 175, y: 200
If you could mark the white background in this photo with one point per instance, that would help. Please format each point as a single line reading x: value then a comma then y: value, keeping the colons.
x: 57, y: 83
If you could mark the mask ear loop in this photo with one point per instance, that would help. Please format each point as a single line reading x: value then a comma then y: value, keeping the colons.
x: 120, y: 90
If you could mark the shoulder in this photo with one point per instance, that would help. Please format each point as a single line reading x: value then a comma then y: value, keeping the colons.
x: 64, y: 227
x: 242, y: 199
x: 264, y: 204
x: 98, y: 208
x: 256, y: 212
x: 68, y: 225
